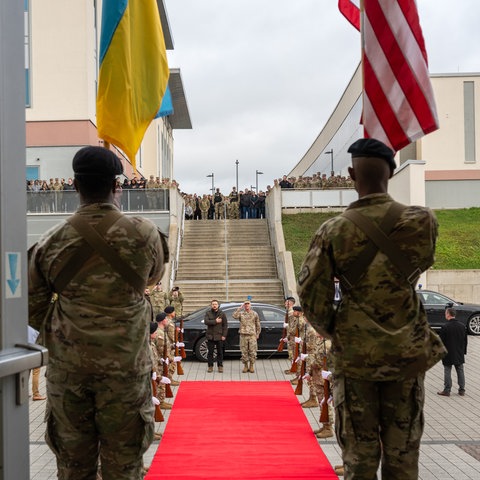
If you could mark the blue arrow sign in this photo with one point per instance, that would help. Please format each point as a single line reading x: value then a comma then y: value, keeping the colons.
x: 13, y: 268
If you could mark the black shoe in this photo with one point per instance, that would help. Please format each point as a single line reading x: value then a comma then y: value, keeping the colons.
x: 444, y: 393
x: 461, y: 393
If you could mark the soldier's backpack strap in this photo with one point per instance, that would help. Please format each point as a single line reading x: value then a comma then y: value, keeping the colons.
x: 379, y: 239
x: 96, y: 241
x: 81, y: 255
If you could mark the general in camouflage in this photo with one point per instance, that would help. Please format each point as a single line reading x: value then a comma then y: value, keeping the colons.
x: 249, y: 331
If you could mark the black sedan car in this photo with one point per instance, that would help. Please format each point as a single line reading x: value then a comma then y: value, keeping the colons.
x: 271, y: 317
x: 435, y: 304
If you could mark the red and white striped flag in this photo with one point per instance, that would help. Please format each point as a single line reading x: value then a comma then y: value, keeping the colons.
x: 351, y: 11
x: 398, y: 102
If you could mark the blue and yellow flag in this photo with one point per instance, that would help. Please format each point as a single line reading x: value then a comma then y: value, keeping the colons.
x: 133, y: 72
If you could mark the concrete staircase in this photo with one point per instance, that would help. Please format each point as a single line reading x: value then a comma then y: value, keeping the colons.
x: 240, y: 250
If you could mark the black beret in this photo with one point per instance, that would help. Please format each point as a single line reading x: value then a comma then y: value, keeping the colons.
x: 96, y: 161
x: 153, y: 327
x: 290, y: 299
x: 169, y: 309
x: 160, y: 316
x: 296, y: 308
x: 369, y: 147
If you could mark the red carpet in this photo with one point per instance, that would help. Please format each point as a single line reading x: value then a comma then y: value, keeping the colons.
x: 238, y: 430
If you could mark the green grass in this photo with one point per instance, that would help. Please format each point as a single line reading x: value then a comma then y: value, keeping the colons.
x: 458, y: 245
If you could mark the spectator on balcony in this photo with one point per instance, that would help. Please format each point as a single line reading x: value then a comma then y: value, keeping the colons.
x: 284, y: 183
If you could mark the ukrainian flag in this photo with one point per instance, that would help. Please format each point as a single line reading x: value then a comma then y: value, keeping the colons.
x: 133, y: 72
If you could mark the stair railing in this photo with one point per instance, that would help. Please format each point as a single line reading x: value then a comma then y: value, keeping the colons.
x: 226, y: 250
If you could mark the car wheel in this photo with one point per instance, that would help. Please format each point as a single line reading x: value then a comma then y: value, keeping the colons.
x: 473, y: 324
x: 201, y: 350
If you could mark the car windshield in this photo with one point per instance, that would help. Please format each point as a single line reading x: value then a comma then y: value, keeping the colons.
x: 432, y: 298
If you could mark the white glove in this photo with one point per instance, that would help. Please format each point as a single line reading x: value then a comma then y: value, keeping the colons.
x: 330, y: 400
x: 298, y: 340
x: 303, y: 356
x: 297, y: 360
x: 180, y: 344
x: 166, y: 360
x: 306, y: 377
x: 154, y: 375
x: 326, y: 374
x: 155, y: 401
x: 322, y: 402
x: 285, y: 325
x: 182, y: 330
x: 165, y: 380
x: 177, y: 359
x: 285, y: 340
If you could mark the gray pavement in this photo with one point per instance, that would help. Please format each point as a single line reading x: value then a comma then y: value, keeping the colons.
x: 451, y: 443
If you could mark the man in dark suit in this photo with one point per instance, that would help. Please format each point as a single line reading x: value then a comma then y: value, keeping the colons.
x: 454, y: 337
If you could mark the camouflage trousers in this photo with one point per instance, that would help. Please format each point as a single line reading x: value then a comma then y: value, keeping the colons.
x: 248, y: 347
x: 92, y: 418
x: 379, y: 422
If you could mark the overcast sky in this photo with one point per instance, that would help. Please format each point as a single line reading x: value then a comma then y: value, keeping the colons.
x: 262, y: 77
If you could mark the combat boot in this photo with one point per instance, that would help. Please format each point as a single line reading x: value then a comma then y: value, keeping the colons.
x: 252, y: 369
x: 311, y: 402
x: 210, y: 369
x: 165, y: 405
x: 294, y: 381
x: 245, y: 368
x: 325, y: 432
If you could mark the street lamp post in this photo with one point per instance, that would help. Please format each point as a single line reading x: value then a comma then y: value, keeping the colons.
x: 213, y: 182
x: 330, y: 152
x: 236, y: 174
x: 257, y: 173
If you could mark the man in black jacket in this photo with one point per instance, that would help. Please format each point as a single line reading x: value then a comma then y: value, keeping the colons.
x: 454, y: 337
x: 217, y: 327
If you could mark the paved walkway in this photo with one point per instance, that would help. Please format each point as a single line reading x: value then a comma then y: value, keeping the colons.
x: 451, y: 442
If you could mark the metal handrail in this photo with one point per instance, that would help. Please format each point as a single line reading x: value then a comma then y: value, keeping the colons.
x: 226, y: 249
x: 22, y: 358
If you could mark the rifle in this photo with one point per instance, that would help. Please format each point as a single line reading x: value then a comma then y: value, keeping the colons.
x: 299, y: 389
x: 293, y: 368
x: 158, y: 412
x: 326, y: 389
x: 284, y: 333
x: 177, y: 354
x: 180, y: 339
x: 168, y: 388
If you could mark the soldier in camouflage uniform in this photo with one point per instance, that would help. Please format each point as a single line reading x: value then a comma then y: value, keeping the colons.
x: 160, y: 340
x: 218, y: 202
x: 158, y: 299
x: 170, y: 332
x: 156, y: 365
x: 175, y: 299
x: 151, y: 193
x: 381, y: 341
x: 291, y: 330
x: 204, y: 206
x: 249, y: 332
x: 99, y: 371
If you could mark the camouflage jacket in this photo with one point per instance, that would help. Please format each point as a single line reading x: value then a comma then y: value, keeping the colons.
x: 99, y: 321
x: 159, y: 300
x: 379, y: 331
x: 249, y: 322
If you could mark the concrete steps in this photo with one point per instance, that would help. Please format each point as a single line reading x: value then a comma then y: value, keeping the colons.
x: 202, y: 272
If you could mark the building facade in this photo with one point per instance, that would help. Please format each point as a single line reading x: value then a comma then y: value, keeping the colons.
x: 451, y: 155
x: 61, y: 68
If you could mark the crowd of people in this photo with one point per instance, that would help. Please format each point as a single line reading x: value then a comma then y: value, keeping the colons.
x: 316, y: 181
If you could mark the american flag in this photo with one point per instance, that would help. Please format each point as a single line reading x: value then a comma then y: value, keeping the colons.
x: 398, y: 102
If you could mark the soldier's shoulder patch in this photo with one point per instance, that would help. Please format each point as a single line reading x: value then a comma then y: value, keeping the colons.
x: 304, y: 274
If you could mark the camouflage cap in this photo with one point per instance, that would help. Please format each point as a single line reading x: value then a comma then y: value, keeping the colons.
x: 96, y: 161
x: 370, y: 147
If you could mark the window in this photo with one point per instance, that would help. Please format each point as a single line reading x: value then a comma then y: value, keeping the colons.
x: 26, y: 27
